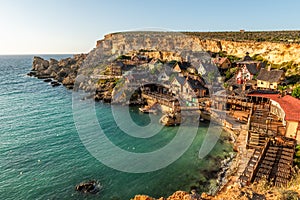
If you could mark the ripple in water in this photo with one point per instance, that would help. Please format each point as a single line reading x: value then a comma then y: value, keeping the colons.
x: 42, y: 157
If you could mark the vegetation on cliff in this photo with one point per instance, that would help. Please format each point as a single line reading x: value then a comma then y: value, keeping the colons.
x: 296, y: 92
x: 255, y: 36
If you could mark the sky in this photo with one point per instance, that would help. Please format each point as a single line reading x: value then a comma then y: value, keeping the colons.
x: 74, y: 26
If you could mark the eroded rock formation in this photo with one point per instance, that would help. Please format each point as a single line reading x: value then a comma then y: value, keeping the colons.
x: 275, y: 53
x: 64, y: 71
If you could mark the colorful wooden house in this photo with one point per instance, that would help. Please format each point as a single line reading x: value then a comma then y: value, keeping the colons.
x: 247, y: 68
x: 177, y: 85
x: 222, y: 63
x: 287, y: 109
x: 193, y: 89
x: 270, y: 79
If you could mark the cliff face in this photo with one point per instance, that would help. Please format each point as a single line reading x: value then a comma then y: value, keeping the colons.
x: 275, y: 53
x: 121, y: 43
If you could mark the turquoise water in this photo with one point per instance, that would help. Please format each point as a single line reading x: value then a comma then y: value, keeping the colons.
x: 42, y: 156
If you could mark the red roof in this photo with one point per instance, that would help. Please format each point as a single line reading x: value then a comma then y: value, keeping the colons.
x: 289, y: 104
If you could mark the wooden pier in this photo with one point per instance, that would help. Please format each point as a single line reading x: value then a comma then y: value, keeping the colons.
x: 164, y: 99
x: 171, y: 102
x: 225, y: 102
x: 263, y: 125
x: 273, y: 163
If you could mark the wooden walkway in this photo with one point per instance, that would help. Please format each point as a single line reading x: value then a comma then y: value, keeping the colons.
x: 262, y: 126
x: 223, y: 101
x: 172, y: 102
x: 163, y: 99
x: 273, y: 162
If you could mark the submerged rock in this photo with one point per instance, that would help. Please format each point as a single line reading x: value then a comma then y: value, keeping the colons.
x: 91, y: 187
x: 55, y: 83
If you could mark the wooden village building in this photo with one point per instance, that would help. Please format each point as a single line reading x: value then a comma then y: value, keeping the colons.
x: 223, y: 63
x: 177, y: 85
x: 155, y: 62
x: 270, y: 79
x: 164, y: 74
x: 247, y: 68
x: 180, y: 67
x: 189, y: 89
x: 193, y: 89
x: 286, y: 109
x: 246, y: 71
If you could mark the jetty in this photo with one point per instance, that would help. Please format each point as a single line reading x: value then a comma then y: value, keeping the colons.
x: 272, y: 162
x: 273, y: 152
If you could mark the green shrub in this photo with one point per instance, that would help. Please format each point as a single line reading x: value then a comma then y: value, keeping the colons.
x: 296, y: 92
x: 257, y: 57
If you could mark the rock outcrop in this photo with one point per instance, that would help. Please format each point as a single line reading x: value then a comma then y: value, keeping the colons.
x: 64, y: 71
x: 91, y: 187
x: 178, y: 195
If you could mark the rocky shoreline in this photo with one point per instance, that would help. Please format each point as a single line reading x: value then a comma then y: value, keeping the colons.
x: 65, y: 71
x: 222, y: 180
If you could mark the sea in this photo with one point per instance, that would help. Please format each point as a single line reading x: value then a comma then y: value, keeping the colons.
x: 42, y: 155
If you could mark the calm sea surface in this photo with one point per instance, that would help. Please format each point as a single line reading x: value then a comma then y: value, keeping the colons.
x: 42, y: 156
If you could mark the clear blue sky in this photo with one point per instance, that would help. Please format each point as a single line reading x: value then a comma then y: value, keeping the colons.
x: 71, y: 26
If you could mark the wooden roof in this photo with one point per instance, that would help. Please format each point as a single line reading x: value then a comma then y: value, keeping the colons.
x: 220, y: 60
x: 271, y: 76
x: 195, y: 84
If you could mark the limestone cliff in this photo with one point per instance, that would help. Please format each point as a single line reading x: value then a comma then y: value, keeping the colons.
x: 275, y: 53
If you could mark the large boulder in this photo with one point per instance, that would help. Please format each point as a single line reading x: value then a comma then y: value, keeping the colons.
x: 68, y: 81
x: 53, y: 62
x: 61, y: 75
x: 54, y: 67
x: 39, y: 64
